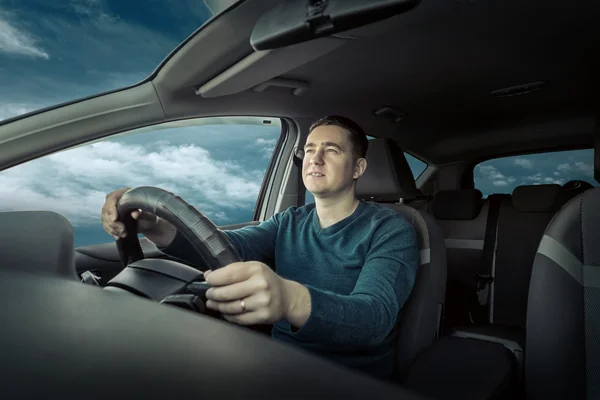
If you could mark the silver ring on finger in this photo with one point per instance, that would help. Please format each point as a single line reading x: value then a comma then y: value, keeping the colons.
x: 243, y: 305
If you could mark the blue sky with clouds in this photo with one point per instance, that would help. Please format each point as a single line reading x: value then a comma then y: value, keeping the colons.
x: 503, y: 175
x: 57, y: 51
x: 54, y: 52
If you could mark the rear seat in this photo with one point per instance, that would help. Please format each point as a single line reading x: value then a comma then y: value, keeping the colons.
x: 521, y: 225
x: 484, y: 360
x: 522, y: 219
x: 462, y: 215
x: 462, y: 367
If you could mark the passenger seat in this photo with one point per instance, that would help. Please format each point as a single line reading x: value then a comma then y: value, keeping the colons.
x: 462, y: 215
x: 521, y: 226
x: 486, y: 361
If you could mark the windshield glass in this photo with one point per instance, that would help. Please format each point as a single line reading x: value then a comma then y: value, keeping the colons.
x: 52, y: 52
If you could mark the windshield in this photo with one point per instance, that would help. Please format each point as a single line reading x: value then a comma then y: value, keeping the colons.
x: 52, y: 52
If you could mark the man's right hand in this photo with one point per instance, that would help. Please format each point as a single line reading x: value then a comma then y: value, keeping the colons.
x: 155, y: 229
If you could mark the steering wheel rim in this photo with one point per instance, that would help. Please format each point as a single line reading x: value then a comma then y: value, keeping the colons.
x: 214, y: 247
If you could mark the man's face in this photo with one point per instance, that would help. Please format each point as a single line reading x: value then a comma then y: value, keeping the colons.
x: 329, y: 168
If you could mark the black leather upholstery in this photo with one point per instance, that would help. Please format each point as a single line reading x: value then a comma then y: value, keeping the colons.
x: 462, y: 204
x: 537, y: 198
x: 420, y: 318
x: 38, y: 241
x: 563, y: 319
x: 388, y: 177
x: 465, y: 369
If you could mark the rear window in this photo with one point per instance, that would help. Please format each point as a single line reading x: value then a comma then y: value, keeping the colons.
x: 502, y: 175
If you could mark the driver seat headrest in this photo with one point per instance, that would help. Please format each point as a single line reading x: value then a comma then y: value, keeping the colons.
x: 41, y: 242
x: 388, y: 176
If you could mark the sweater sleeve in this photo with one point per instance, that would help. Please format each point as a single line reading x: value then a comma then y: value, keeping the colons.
x: 253, y: 243
x: 369, y: 313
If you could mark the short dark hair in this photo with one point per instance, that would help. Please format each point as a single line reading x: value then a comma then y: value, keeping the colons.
x: 358, y: 137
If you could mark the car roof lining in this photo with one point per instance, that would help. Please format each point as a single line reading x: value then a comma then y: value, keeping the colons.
x: 408, y: 62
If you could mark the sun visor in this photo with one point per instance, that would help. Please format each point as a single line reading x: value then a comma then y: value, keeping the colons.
x: 262, y: 69
x: 293, y: 22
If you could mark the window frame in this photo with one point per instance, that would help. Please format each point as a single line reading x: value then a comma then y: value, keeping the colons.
x: 269, y: 179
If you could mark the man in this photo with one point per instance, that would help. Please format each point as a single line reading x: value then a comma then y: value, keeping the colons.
x: 344, y: 268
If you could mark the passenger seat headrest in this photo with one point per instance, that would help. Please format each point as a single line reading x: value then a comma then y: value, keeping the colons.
x: 537, y: 198
x: 38, y: 241
x: 460, y: 204
x: 388, y: 176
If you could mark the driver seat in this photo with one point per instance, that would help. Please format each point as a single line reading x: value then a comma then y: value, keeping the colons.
x: 388, y: 179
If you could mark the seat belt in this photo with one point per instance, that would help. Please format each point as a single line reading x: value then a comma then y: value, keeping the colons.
x: 485, y: 277
x: 297, y: 158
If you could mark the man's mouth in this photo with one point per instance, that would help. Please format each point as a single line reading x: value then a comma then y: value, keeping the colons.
x: 315, y: 174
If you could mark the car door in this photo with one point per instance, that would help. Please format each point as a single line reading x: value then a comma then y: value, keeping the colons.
x: 219, y: 165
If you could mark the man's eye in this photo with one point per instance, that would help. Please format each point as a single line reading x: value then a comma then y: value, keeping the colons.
x: 333, y: 150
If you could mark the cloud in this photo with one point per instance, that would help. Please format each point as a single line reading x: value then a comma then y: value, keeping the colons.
x: 92, y: 50
x: 498, y: 179
x: 16, y: 41
x: 93, y: 9
x: 500, y: 183
x: 74, y: 183
x: 12, y: 110
x: 270, y: 142
x: 577, y: 167
x: 267, y: 146
x: 541, y: 179
x: 524, y: 162
x: 534, y: 178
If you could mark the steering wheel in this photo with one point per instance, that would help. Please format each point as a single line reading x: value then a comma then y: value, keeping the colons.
x: 165, y: 280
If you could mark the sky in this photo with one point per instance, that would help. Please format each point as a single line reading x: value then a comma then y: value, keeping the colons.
x: 57, y: 51
x: 503, y: 175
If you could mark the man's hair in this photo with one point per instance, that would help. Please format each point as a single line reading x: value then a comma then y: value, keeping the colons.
x: 358, y: 137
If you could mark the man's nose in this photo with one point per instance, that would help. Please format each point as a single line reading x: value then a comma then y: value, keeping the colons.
x: 317, y: 157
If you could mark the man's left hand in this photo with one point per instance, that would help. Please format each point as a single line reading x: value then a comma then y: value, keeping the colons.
x: 267, y: 296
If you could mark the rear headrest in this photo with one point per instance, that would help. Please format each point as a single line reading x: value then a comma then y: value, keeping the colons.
x: 388, y: 176
x: 37, y: 241
x: 537, y: 198
x: 460, y: 204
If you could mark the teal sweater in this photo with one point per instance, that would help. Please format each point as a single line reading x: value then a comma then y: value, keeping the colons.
x: 359, y: 273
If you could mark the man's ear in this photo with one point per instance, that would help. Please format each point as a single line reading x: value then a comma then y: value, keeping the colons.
x: 359, y: 168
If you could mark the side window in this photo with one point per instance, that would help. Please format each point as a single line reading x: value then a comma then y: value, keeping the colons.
x: 215, y: 164
x: 502, y: 175
x: 416, y: 166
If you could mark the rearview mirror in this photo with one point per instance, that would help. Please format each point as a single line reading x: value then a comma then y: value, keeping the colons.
x: 296, y: 21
